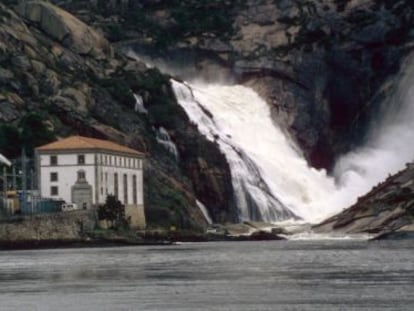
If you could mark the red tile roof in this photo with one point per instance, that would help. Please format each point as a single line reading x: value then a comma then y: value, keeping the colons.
x: 80, y: 142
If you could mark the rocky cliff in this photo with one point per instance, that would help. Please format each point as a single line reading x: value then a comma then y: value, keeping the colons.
x: 59, y: 76
x: 320, y: 64
x: 387, y: 209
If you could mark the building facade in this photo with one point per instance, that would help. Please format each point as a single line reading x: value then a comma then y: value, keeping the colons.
x: 84, y: 171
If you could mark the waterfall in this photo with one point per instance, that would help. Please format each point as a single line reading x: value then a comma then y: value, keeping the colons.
x: 139, y: 104
x: 390, y: 144
x: 164, y: 139
x: 271, y: 179
x: 205, y: 212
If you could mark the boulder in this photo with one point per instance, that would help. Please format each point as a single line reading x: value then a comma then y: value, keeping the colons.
x: 8, y: 111
x: 21, y: 62
x: 65, y: 28
x: 51, y: 82
x: 5, y: 75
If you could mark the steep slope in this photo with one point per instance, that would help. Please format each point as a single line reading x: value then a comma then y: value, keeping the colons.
x: 325, y: 67
x: 65, y: 78
x: 387, y: 208
x: 320, y: 64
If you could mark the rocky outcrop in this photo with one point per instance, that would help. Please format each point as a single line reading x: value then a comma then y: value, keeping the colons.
x: 65, y: 28
x: 319, y: 64
x: 387, y: 209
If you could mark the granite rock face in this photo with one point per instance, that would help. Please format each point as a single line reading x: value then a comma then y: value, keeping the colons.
x: 387, y: 209
x: 319, y: 64
x: 65, y: 28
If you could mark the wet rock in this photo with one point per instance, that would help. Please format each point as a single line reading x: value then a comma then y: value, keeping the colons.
x: 386, y: 210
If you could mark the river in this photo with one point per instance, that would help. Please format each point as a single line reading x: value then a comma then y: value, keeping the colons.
x: 279, y: 275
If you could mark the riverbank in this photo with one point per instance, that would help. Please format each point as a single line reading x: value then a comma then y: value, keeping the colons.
x: 109, y: 238
x: 79, y: 230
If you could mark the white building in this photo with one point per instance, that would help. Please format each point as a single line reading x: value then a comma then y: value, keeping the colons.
x: 83, y: 171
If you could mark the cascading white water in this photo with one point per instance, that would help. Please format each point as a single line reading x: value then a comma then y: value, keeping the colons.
x: 389, y: 146
x: 205, y: 212
x: 164, y: 139
x: 271, y: 180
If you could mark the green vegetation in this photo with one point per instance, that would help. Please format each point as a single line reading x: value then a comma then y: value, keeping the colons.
x: 10, y: 144
x: 188, y: 18
x: 179, y: 19
x: 167, y: 205
x: 34, y: 132
x: 119, y: 89
x: 31, y: 132
x: 162, y: 108
x: 341, y: 4
x: 113, y: 211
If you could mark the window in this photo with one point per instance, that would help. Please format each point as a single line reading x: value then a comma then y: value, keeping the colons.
x: 54, y: 191
x: 81, y: 159
x: 81, y: 174
x: 125, y: 189
x: 116, y: 185
x: 53, y: 176
x: 53, y: 160
x: 134, y: 189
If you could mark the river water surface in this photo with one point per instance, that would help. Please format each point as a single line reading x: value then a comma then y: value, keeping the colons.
x: 293, y: 275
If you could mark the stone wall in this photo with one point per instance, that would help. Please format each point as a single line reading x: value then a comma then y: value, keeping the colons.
x: 135, y: 216
x: 66, y: 226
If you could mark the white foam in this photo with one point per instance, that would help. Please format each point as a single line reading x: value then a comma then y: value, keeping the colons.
x: 271, y: 180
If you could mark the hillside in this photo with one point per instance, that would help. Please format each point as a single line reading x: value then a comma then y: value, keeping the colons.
x: 387, y: 209
x: 59, y: 76
x: 325, y: 67
x: 321, y: 64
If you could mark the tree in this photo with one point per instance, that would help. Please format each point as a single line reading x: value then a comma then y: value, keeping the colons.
x: 10, y: 142
x: 34, y: 132
x: 113, y: 211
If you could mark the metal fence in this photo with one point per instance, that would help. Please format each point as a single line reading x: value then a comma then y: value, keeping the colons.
x: 29, y: 205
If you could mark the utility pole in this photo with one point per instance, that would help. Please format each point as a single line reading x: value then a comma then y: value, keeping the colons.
x: 14, y: 181
x: 4, y: 189
x: 32, y: 197
x: 24, y: 180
